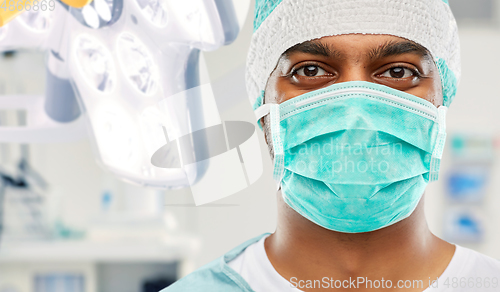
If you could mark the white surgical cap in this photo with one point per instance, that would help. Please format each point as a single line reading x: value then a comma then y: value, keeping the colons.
x: 281, y: 24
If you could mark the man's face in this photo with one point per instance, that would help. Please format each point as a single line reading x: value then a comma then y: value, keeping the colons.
x: 383, y: 59
x: 388, y: 60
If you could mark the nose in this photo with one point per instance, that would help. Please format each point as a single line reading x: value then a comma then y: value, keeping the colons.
x: 355, y: 71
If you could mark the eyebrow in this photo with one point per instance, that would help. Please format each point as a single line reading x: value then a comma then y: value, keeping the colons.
x: 314, y: 48
x: 388, y: 49
x: 395, y: 48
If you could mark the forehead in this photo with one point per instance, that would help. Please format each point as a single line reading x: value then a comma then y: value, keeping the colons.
x: 351, y: 45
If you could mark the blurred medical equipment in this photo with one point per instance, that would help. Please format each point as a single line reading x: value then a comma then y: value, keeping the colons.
x: 468, y: 187
x: 156, y: 285
x: 464, y: 225
x: 59, y: 282
x: 21, y: 203
x: 22, y: 209
x: 468, y: 182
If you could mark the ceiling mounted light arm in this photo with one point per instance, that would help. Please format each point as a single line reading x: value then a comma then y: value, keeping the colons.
x: 39, y: 128
x: 53, y: 117
x: 60, y: 97
x: 229, y: 19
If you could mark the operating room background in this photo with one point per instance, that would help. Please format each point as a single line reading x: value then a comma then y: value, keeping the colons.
x: 77, y: 182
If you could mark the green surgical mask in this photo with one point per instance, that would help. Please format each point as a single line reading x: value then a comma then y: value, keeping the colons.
x: 355, y: 156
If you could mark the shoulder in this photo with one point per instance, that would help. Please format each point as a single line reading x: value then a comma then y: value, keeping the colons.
x: 477, y: 264
x: 209, y: 278
x: 216, y: 276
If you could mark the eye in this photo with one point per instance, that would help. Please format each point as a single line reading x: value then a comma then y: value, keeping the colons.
x: 310, y: 71
x: 399, y: 73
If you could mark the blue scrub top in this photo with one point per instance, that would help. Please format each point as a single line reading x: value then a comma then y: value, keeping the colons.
x: 216, y: 276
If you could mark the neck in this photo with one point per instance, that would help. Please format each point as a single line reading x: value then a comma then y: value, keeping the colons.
x: 385, y: 253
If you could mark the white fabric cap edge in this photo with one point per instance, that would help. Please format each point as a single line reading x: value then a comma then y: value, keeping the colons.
x: 429, y: 23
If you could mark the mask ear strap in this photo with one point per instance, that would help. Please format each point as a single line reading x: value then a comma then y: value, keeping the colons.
x: 279, y: 160
x: 262, y: 111
x: 437, y: 153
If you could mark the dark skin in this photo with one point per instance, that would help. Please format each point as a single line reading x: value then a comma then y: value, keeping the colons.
x: 406, y: 250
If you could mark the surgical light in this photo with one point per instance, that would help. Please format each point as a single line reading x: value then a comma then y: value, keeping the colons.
x: 39, y: 21
x: 90, y: 16
x: 155, y: 46
x: 103, y: 9
x: 154, y: 125
x: 137, y: 63
x: 95, y: 62
x: 155, y: 11
x: 116, y: 135
x: 29, y: 30
x: 3, y: 32
x: 98, y: 13
x: 76, y: 3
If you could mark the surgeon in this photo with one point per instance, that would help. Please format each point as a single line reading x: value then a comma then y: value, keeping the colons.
x: 352, y: 96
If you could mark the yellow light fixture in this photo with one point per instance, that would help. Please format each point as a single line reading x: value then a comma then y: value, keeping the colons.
x: 6, y: 15
x: 76, y: 3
